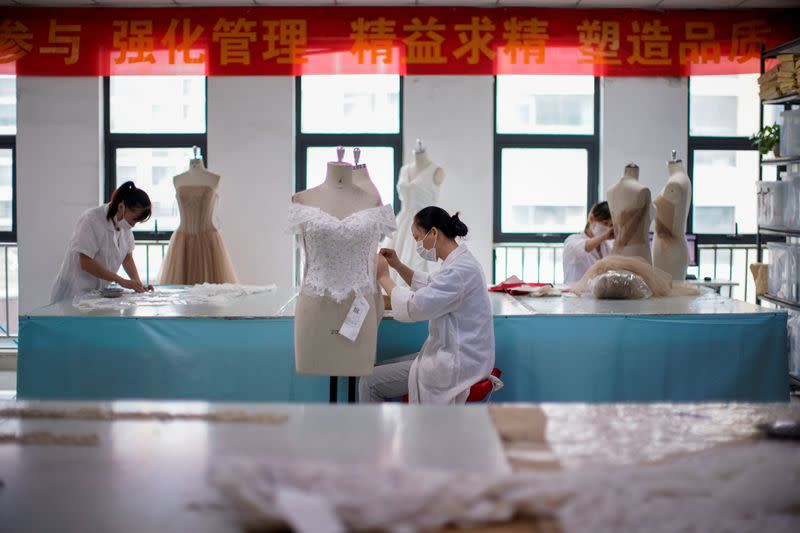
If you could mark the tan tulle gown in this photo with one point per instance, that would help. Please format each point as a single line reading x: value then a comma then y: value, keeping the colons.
x: 196, y: 252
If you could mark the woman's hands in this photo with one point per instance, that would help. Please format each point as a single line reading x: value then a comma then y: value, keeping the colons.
x: 135, y: 285
x: 391, y: 257
x: 382, y: 265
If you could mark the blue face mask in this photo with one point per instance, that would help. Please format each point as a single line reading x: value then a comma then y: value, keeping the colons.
x: 428, y: 254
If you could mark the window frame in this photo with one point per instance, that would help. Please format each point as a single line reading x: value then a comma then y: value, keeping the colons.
x: 700, y: 142
x: 114, y: 141
x: 304, y: 141
x: 9, y: 142
x: 591, y: 143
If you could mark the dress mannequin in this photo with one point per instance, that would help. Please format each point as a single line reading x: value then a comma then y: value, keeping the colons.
x: 362, y: 179
x: 196, y: 251
x: 670, y: 252
x: 319, y: 348
x: 418, y: 186
x: 631, y: 212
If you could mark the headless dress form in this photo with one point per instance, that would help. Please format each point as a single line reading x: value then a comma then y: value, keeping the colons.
x: 363, y: 181
x: 670, y: 251
x: 196, y: 252
x: 631, y: 212
x: 340, y: 226
x: 418, y: 186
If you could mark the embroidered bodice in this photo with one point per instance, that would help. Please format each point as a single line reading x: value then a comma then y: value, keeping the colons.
x: 196, y: 205
x: 340, y: 253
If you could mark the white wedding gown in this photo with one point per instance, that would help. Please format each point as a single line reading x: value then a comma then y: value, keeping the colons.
x: 415, y: 194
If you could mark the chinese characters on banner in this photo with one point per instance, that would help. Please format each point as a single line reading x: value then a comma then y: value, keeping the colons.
x: 405, y: 40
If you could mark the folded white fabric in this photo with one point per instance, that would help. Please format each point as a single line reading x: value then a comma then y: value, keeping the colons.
x: 752, y: 488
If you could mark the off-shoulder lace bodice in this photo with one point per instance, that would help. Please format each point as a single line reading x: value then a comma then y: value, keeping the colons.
x: 340, y: 253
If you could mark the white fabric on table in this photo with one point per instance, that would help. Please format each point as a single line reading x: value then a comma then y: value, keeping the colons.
x: 751, y: 488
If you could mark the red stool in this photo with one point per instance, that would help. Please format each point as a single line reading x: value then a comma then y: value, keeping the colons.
x: 479, y: 391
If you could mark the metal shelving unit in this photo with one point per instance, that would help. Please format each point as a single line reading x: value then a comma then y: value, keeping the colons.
x: 782, y: 161
x: 791, y: 47
x: 781, y: 302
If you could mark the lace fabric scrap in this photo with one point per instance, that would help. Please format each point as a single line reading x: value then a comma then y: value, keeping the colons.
x: 744, y: 488
x: 207, y: 293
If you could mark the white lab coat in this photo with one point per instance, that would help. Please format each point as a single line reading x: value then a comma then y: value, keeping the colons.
x: 96, y: 237
x: 577, y: 260
x: 459, y: 350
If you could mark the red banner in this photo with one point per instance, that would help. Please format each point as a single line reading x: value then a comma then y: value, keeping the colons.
x: 260, y: 41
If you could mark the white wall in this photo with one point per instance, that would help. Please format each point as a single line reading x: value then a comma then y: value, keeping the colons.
x: 454, y: 116
x: 59, y: 173
x: 251, y: 145
x: 642, y: 120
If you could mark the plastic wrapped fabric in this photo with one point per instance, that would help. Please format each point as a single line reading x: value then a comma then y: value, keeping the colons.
x: 658, y: 281
x: 619, y: 285
x: 793, y: 325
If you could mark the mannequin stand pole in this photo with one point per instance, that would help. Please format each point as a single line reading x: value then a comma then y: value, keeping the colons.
x: 333, y: 393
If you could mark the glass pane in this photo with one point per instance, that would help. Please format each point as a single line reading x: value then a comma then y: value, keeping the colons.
x: 724, y: 191
x: 8, y: 105
x: 379, y: 161
x: 9, y: 290
x: 152, y: 169
x: 158, y: 104
x: 545, y: 104
x: 350, y: 104
x: 6, y: 191
x: 724, y: 106
x: 543, y: 190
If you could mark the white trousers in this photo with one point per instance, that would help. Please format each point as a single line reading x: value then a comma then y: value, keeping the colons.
x: 389, y: 381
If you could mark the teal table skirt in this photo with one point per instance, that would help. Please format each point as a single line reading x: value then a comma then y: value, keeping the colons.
x: 544, y: 358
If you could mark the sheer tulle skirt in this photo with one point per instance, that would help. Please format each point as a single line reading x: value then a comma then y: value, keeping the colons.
x: 197, y: 258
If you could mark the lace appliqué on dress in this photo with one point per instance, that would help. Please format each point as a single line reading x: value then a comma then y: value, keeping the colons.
x: 340, y: 253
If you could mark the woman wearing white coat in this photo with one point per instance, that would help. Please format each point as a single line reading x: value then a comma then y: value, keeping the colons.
x: 459, y: 350
x: 103, y: 241
x: 582, y: 250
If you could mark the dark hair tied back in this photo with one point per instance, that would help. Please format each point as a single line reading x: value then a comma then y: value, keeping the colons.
x: 436, y: 217
x: 132, y: 198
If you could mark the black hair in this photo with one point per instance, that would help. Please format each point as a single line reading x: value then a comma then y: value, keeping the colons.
x: 436, y: 217
x: 132, y: 198
x: 600, y: 212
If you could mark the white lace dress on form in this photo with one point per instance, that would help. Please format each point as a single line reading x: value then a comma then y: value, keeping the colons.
x: 340, y: 253
x: 747, y: 488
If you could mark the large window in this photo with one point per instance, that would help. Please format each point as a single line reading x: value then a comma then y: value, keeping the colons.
x: 351, y: 111
x: 152, y: 125
x: 724, y: 112
x: 545, y: 156
x: 8, y: 135
x: 9, y: 265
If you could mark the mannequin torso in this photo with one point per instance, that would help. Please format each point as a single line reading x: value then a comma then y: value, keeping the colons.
x: 670, y: 251
x: 319, y: 349
x: 631, y: 212
x: 197, y: 176
x: 362, y: 180
x: 422, y: 162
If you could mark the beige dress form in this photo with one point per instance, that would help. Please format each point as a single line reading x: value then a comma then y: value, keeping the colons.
x: 670, y: 249
x: 632, y: 211
x: 196, y: 251
x: 338, y: 226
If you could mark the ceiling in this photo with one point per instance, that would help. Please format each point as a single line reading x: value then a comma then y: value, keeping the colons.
x: 658, y: 4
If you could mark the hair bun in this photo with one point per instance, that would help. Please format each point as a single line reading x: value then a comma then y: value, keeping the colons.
x: 459, y: 228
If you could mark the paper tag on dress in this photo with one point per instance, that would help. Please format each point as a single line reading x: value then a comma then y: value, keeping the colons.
x: 355, y: 318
